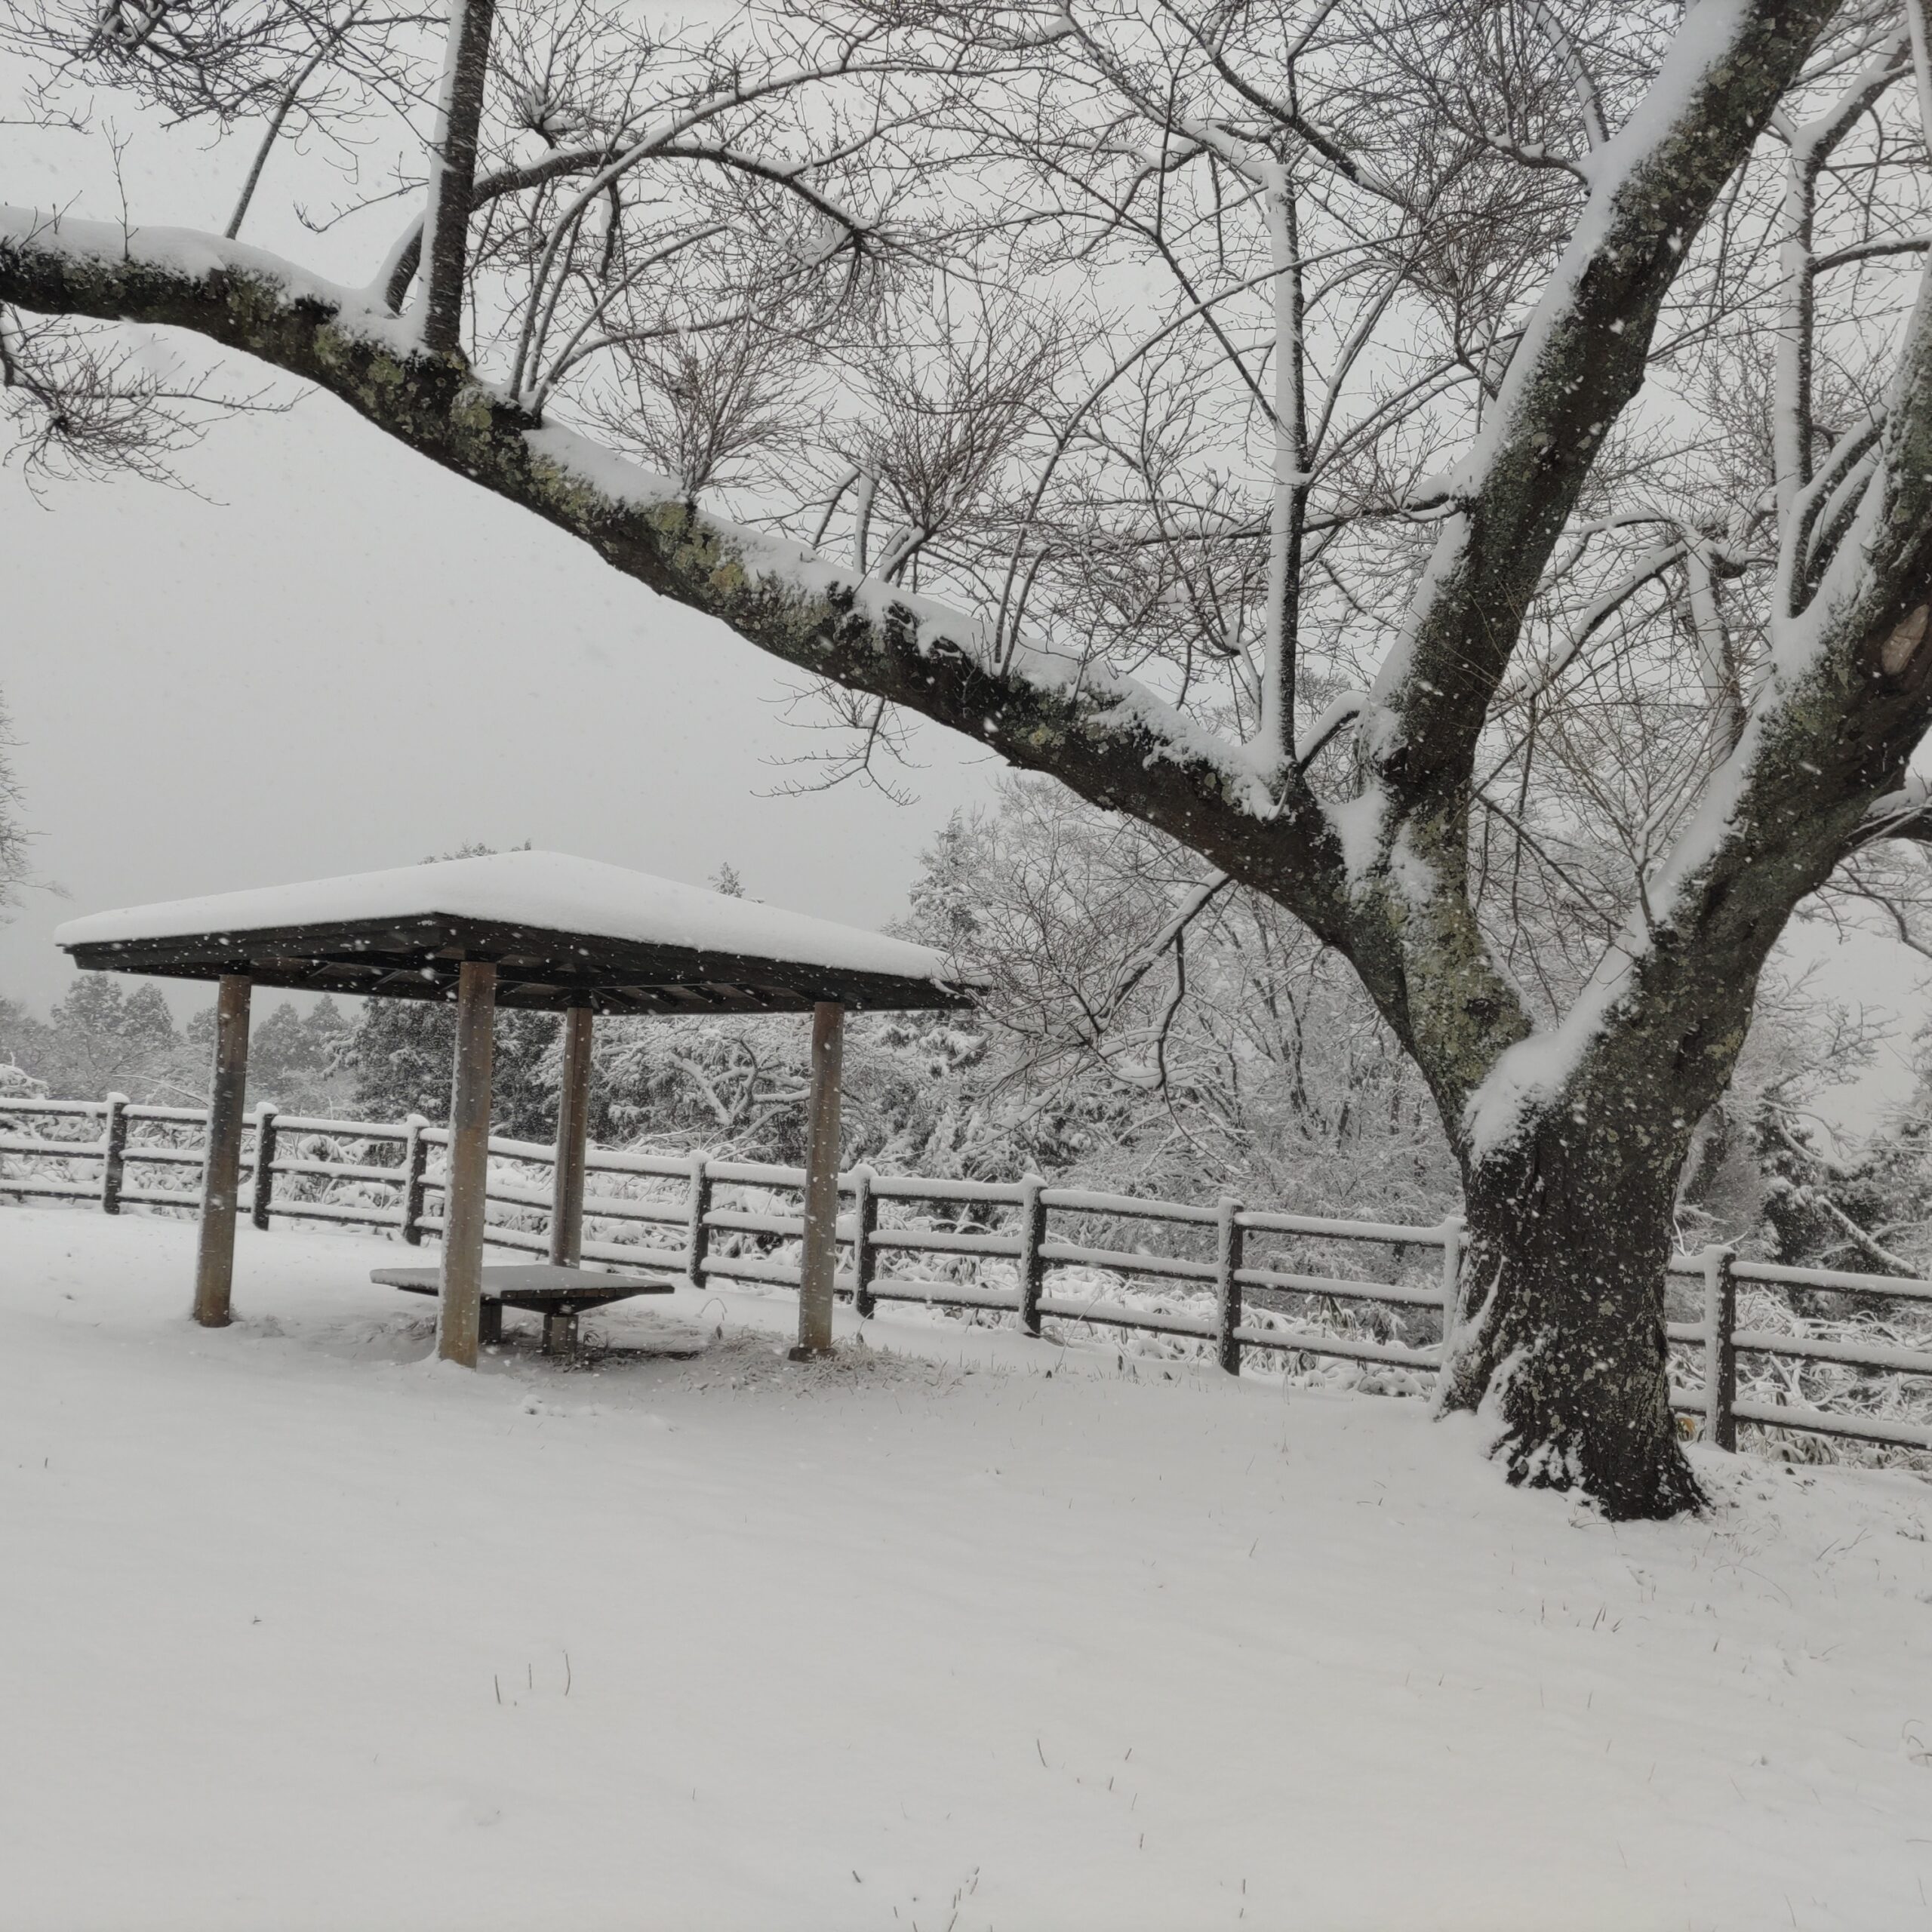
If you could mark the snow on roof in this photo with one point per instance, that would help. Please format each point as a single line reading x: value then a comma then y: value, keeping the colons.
x: 546, y: 891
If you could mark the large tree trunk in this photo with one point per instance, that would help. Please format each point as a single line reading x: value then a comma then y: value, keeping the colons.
x: 1562, y: 1339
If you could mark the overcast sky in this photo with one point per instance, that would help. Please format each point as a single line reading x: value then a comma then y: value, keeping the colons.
x: 353, y: 660
x: 340, y: 657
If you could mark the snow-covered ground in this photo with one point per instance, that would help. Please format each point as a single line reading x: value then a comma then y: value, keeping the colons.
x: 301, y: 1630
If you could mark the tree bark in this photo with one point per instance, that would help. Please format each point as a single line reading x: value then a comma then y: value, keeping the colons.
x: 453, y: 173
x: 1561, y: 1345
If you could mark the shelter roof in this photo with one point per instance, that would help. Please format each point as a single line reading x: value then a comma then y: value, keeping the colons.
x: 562, y: 931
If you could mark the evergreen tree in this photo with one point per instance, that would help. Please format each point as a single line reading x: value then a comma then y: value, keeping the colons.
x: 106, y: 1039
x: 328, y: 1029
x: 278, y: 1059
x: 401, y: 1052
x: 293, y: 1060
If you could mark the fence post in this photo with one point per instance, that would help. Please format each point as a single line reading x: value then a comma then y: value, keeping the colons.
x: 1032, y: 1269
x: 865, y: 1256
x: 415, y: 1168
x: 697, y: 1244
x: 1720, y: 1345
x: 265, y: 1143
x: 113, y: 1153
x: 1452, y: 1282
x: 1227, y: 1288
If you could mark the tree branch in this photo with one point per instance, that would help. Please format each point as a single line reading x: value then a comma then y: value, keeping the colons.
x: 1106, y: 737
x: 453, y: 172
x: 1581, y: 361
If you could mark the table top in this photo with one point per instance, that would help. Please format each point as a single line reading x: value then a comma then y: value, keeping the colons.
x: 534, y: 1285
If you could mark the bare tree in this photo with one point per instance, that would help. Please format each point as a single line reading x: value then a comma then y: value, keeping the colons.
x: 1155, y: 1028
x: 13, y: 836
x: 1479, y: 496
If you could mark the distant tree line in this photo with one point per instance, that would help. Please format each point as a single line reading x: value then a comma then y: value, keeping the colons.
x: 107, y: 1036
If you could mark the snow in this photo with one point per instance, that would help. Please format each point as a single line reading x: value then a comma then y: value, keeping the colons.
x: 1357, y: 824
x: 1532, y: 1075
x: 1344, y: 710
x: 547, y: 891
x: 921, y: 1637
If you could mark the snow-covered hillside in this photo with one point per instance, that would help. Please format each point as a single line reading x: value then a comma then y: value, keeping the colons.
x: 308, y: 1633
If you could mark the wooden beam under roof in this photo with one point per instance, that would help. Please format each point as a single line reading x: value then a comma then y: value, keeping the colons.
x: 547, y: 970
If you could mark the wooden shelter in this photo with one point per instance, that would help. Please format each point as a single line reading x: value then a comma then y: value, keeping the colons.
x: 523, y: 929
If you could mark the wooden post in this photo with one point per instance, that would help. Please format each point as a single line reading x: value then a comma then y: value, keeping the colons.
x: 1720, y: 1345
x: 572, y: 1140
x: 221, y: 1170
x: 865, y: 1256
x: 697, y: 1243
x: 1452, y: 1282
x: 816, y: 1271
x: 463, y: 1196
x: 415, y: 1169
x: 1032, y: 1269
x: 265, y: 1140
x: 113, y: 1153
x: 1227, y: 1288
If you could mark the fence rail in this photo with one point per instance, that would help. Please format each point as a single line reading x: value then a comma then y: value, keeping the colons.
x: 294, y: 1167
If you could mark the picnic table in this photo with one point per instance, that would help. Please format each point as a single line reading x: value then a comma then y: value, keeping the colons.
x: 557, y: 1294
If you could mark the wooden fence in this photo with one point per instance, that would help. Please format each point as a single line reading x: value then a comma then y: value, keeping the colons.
x: 1228, y: 1296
